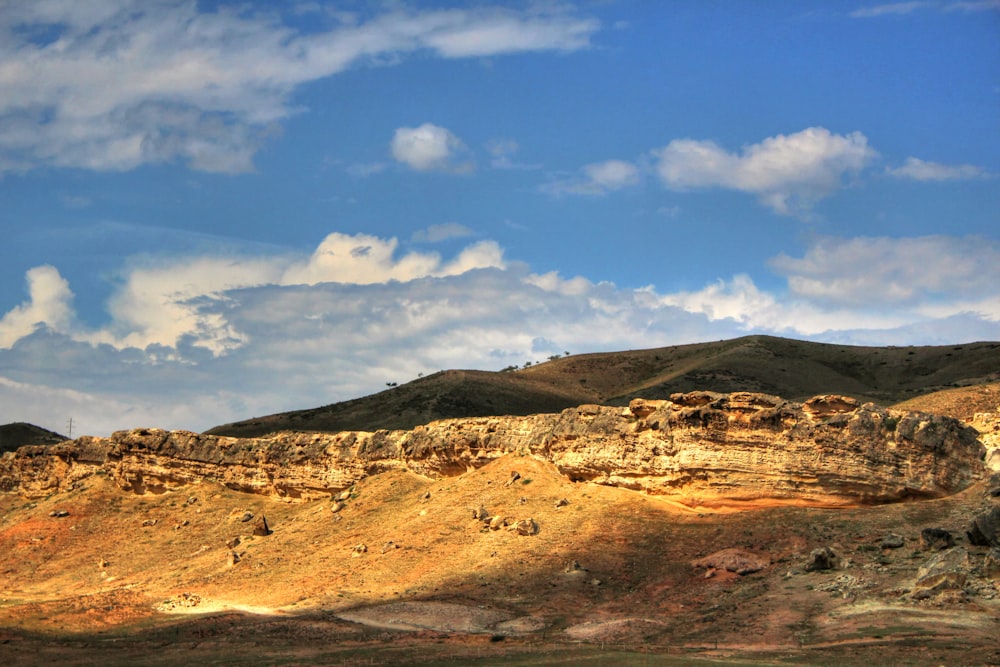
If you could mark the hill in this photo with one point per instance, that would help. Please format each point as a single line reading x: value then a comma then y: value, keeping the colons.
x: 19, y: 434
x: 793, y: 369
x: 961, y: 402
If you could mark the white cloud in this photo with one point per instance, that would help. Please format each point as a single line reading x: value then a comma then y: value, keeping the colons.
x: 114, y: 84
x: 889, y: 9
x: 50, y: 302
x: 197, y: 341
x: 919, y: 170
x: 429, y: 147
x: 441, y: 232
x: 788, y: 173
x: 880, y: 272
x: 503, y: 151
x: 598, y: 178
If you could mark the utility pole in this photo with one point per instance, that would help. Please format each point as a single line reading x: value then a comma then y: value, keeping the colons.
x: 70, y: 429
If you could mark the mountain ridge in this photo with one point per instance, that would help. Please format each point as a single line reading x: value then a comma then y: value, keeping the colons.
x: 796, y: 370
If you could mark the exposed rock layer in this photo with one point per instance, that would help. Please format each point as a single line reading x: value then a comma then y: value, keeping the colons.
x: 699, y: 448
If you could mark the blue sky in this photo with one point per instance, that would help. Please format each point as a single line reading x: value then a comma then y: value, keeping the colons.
x: 217, y: 210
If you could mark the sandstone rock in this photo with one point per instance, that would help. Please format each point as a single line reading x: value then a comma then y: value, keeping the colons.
x: 59, y: 514
x: 991, y: 563
x: 232, y: 543
x: 562, y: 503
x: 337, y: 506
x: 102, y: 564
x: 525, y: 527
x: 955, y: 559
x: 233, y: 558
x: 389, y: 546
x: 892, y: 541
x: 481, y: 514
x: 192, y: 500
x: 573, y: 566
x: 148, y: 522
x: 735, y: 560
x: 498, y: 522
x: 247, y: 517
x: 514, y: 476
x: 344, y: 495
x: 984, y: 531
x: 699, y: 449
x: 260, y: 527
x: 821, y: 559
x: 359, y: 550
x: 935, y: 584
x: 935, y: 539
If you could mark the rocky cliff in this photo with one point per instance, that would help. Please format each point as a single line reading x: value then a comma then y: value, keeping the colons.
x: 701, y: 449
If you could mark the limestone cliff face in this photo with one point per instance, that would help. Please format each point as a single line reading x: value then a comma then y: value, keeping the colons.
x: 700, y: 449
x: 988, y: 425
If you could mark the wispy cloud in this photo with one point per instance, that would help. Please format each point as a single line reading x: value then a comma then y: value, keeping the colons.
x: 920, y: 170
x: 598, y: 178
x: 116, y: 84
x: 441, y: 232
x: 903, y: 8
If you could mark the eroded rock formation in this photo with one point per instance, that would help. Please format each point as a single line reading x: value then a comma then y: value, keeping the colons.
x: 700, y: 449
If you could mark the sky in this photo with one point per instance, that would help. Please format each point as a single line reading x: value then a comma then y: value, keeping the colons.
x: 212, y: 211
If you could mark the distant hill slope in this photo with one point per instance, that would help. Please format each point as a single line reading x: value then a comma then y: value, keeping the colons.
x: 19, y: 434
x: 961, y: 402
x: 789, y: 368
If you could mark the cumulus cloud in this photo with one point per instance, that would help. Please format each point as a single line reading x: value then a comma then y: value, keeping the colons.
x: 919, y: 170
x: 788, y: 173
x: 598, y: 178
x: 201, y: 340
x: 50, y: 303
x: 881, y: 272
x: 114, y: 84
x: 429, y: 148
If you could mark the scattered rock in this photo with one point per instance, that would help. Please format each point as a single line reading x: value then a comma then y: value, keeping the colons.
x: 514, y: 476
x: 59, y: 514
x: 522, y: 500
x: 344, y: 495
x: 821, y: 559
x: 936, y: 539
x: 427, y: 496
x: 389, y: 546
x: 247, y: 517
x: 892, y: 541
x: 984, y: 531
x: 935, y: 584
x: 525, y: 527
x: 596, y: 582
x: 233, y: 543
x: 574, y: 566
x: 994, y: 492
x: 233, y: 558
x: 735, y: 560
x: 481, y: 514
x: 955, y: 559
x: 337, y: 506
x: 102, y: 564
x: 192, y: 500
x: 498, y: 522
x: 359, y: 550
x: 261, y: 528
x: 991, y: 563
x: 149, y: 522
x: 562, y: 503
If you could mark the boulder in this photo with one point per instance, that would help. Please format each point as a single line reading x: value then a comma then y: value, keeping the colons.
x: 934, y: 584
x: 936, y: 539
x: 525, y: 527
x: 481, y: 514
x: 984, y: 531
x: 955, y: 559
x: 991, y: 563
x: 892, y: 541
x: 498, y: 522
x: 821, y: 559
x: 735, y: 560
x: 261, y: 528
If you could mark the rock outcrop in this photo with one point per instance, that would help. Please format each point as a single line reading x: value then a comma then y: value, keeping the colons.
x: 701, y: 449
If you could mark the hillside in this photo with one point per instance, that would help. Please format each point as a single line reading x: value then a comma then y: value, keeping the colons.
x: 19, y: 434
x: 795, y: 370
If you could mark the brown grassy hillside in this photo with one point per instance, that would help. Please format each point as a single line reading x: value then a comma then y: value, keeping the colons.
x: 961, y: 402
x: 792, y: 369
x: 19, y: 434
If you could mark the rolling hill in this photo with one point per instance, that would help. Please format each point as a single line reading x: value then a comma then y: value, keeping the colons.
x: 789, y: 368
x: 19, y: 434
